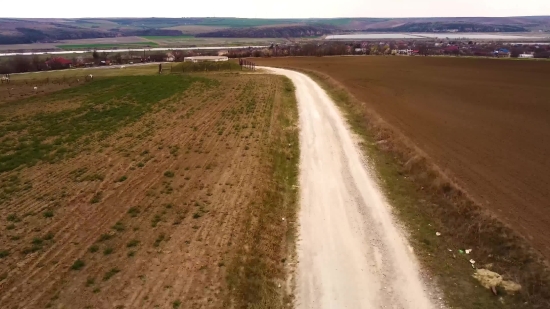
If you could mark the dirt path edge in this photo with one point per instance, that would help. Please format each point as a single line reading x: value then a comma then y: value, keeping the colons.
x: 351, y: 252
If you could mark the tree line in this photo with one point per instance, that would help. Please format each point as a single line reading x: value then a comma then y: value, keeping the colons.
x: 389, y: 48
x: 20, y: 64
x: 35, y: 63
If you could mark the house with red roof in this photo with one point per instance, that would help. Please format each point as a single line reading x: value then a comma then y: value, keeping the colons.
x: 58, y: 63
x: 452, y: 48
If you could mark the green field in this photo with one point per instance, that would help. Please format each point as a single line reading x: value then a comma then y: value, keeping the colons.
x: 164, y: 38
x: 137, y: 164
x: 106, y: 105
x: 245, y: 22
x: 258, y: 22
x: 131, y: 70
x: 183, y: 67
x: 107, y: 45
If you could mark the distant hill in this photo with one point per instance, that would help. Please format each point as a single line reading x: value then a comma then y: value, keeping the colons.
x: 296, y: 31
x: 449, y: 27
x: 25, y: 31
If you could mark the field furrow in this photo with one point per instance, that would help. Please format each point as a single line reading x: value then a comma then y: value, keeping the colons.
x: 147, y: 211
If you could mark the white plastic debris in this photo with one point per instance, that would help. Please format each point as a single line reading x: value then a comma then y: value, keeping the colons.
x: 437, y: 234
x: 35, y: 88
x: 468, y: 251
x: 283, y: 219
x: 472, y: 261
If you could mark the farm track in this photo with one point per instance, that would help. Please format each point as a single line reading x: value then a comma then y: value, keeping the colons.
x: 351, y: 253
x: 198, y: 212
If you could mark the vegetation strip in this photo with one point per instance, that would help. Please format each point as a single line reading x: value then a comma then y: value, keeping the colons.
x: 167, y: 38
x: 108, y: 109
x: 106, y: 45
x: 257, y: 275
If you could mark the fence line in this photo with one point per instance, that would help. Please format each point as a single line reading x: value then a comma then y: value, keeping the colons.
x: 247, y: 64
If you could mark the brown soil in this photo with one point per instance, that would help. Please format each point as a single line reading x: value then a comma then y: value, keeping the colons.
x: 24, y: 89
x: 485, y: 123
x: 159, y: 212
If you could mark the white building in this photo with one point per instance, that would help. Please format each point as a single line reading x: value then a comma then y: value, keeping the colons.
x: 206, y: 58
x: 407, y: 52
x: 526, y: 56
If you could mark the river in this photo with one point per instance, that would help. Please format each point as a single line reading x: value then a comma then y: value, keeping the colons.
x: 65, y: 52
x: 446, y: 35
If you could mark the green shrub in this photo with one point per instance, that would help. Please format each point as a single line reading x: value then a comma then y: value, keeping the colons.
x: 77, y: 265
x: 48, y: 214
x: 132, y: 243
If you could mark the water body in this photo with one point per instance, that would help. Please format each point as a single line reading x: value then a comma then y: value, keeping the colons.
x: 471, y: 36
x: 367, y: 36
x: 481, y: 36
x: 65, y: 52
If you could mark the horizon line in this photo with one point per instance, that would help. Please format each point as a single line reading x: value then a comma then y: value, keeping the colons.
x: 276, y: 18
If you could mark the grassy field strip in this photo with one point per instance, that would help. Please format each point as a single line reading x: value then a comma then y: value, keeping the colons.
x: 259, y: 283
x: 186, y: 67
x: 76, y: 126
x: 140, y: 69
x: 168, y: 39
x: 106, y: 45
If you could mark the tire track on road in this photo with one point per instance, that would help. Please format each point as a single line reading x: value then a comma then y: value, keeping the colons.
x: 351, y: 252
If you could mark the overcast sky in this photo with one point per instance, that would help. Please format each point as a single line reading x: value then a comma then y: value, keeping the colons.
x: 273, y: 8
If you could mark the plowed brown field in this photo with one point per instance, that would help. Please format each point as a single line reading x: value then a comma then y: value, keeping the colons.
x: 154, y: 203
x: 486, y: 123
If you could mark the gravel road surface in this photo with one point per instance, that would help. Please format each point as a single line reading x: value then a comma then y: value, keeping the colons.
x: 351, y: 251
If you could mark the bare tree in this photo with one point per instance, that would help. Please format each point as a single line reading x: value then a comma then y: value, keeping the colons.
x: 21, y: 64
x: 37, y: 65
x: 95, y: 55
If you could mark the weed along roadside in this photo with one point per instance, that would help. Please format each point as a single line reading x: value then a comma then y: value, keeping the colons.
x: 271, y: 221
x: 145, y: 191
x: 452, y: 237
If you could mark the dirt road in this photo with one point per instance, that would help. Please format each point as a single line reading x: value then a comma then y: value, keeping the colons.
x: 351, y: 252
